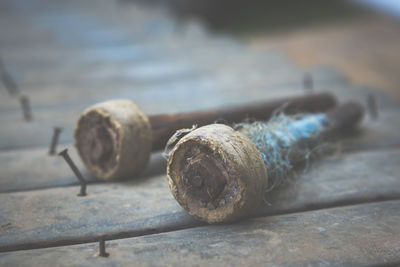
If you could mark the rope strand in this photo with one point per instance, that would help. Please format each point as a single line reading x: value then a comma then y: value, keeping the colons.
x: 285, y: 141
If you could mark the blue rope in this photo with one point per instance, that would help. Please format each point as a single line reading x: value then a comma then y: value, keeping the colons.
x: 284, y: 140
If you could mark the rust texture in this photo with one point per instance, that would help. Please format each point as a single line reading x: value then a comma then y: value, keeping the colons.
x: 345, y: 117
x: 164, y: 126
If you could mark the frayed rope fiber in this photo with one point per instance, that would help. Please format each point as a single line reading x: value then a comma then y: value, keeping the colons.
x: 284, y: 141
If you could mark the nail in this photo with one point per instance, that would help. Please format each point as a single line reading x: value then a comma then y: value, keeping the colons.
x: 77, y: 173
x: 308, y: 83
x: 8, y: 81
x: 102, y: 247
x: 26, y: 109
x: 54, y: 140
x: 372, y: 106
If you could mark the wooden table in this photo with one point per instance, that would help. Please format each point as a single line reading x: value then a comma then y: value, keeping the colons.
x: 68, y: 55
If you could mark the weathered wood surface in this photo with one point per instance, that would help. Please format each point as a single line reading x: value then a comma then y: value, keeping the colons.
x: 97, y: 58
x: 135, y: 62
x: 34, y: 168
x: 56, y: 216
x: 358, y: 235
x: 68, y: 55
x: 38, y: 132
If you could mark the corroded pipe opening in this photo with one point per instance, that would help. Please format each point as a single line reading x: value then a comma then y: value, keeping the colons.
x: 217, y: 174
x: 203, y: 176
x: 97, y: 140
x: 113, y: 139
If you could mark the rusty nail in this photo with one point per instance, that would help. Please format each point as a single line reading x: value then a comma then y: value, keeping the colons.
x: 26, y: 109
x: 308, y: 83
x: 54, y: 140
x: 102, y: 247
x: 372, y: 106
x: 8, y: 81
x: 77, y: 173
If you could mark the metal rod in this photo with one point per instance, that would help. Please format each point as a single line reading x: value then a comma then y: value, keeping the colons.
x: 372, y: 107
x: 54, y: 140
x: 26, y: 108
x: 102, y: 247
x: 7, y: 80
x: 77, y: 173
x: 345, y: 117
x: 308, y: 83
x: 165, y: 125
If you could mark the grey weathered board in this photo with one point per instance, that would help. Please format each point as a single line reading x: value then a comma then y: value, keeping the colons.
x: 67, y: 55
x: 178, y: 67
x: 347, y: 236
x: 56, y: 216
x: 19, y: 133
x: 34, y: 168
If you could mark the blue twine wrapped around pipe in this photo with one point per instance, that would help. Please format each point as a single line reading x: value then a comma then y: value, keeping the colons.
x: 284, y: 141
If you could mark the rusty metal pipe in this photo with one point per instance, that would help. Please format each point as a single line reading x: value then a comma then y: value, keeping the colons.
x: 219, y: 174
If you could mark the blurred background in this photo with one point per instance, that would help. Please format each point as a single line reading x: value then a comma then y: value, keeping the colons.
x: 360, y: 37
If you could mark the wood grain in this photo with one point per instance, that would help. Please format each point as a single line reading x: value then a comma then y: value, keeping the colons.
x: 54, y: 217
x: 67, y: 55
x: 352, y: 236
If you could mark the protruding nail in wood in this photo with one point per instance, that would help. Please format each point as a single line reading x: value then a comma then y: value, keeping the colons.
x: 102, y: 247
x: 308, y: 83
x: 26, y: 108
x: 77, y: 173
x: 372, y: 107
x: 7, y: 80
x: 54, y: 140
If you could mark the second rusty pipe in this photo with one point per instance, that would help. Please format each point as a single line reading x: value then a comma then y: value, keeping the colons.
x: 164, y: 126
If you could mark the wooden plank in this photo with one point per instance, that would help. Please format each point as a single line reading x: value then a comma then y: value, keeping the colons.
x: 140, y: 80
x: 358, y: 235
x: 57, y: 216
x: 38, y: 132
x: 34, y: 168
x: 88, y: 81
x: 19, y: 133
